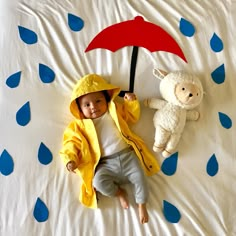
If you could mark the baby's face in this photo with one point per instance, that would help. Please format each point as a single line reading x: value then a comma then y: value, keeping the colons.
x: 93, y: 105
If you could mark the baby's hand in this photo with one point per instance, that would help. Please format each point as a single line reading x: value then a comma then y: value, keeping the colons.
x: 71, y: 166
x: 130, y: 96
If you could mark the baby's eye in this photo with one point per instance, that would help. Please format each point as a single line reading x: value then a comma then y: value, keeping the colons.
x: 87, y: 105
x: 183, y: 88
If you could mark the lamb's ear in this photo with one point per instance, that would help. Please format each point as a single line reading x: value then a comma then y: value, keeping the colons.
x: 160, y: 74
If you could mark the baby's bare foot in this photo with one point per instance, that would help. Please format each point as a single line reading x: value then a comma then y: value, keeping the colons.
x: 122, y: 195
x: 143, y: 214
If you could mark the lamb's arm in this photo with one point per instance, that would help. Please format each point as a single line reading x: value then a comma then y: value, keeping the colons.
x: 193, y: 115
x: 154, y: 103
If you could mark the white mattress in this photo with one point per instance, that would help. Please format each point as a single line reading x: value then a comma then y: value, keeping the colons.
x: 43, y: 55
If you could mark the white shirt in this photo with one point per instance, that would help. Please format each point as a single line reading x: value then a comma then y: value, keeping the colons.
x: 110, y: 138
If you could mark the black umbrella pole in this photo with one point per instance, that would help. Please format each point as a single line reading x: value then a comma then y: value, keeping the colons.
x: 134, y: 58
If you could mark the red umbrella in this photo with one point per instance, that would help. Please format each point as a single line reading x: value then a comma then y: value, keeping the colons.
x: 136, y: 33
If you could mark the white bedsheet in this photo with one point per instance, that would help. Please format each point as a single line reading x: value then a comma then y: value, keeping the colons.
x: 38, y: 43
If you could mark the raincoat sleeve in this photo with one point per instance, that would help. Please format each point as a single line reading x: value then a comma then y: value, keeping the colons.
x: 71, y: 144
x: 129, y: 110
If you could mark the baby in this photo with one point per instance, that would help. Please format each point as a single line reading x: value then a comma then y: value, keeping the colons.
x: 99, y: 146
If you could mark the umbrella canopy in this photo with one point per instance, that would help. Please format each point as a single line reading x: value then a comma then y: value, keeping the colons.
x: 137, y: 33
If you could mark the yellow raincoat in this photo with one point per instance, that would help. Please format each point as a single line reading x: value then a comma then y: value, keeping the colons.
x: 80, y: 142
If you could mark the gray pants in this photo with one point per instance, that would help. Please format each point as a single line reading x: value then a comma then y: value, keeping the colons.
x: 121, y: 168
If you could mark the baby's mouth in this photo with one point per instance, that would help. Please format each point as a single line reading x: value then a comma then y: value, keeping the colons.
x: 95, y: 112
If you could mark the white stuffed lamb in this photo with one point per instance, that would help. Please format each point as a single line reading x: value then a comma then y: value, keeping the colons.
x: 181, y: 92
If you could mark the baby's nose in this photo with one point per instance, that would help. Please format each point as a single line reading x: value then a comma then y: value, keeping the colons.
x: 92, y: 105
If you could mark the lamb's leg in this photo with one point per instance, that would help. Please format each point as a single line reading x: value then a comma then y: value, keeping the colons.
x: 171, y: 145
x: 161, y: 137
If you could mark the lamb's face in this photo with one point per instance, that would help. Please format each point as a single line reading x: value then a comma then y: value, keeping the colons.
x: 182, y: 89
x: 188, y: 93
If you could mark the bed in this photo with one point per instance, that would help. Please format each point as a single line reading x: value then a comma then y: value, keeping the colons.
x: 43, y: 54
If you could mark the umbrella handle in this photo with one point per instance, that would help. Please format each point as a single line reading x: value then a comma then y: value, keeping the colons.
x: 133, y: 68
x: 134, y: 57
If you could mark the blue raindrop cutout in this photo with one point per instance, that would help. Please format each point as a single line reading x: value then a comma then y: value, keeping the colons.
x: 218, y: 75
x: 46, y: 74
x: 216, y: 43
x: 28, y: 36
x: 186, y: 27
x: 169, y: 165
x: 212, y: 166
x: 40, y: 211
x: 6, y: 163
x: 23, y: 114
x: 225, y: 120
x: 171, y: 213
x: 75, y: 23
x: 44, y: 154
x: 13, y: 80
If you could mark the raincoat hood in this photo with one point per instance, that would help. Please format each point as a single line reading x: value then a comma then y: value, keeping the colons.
x: 89, y: 84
